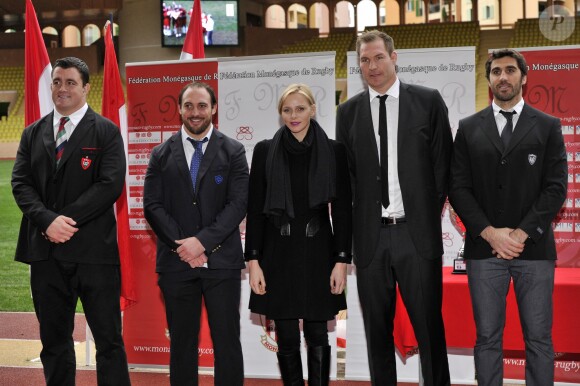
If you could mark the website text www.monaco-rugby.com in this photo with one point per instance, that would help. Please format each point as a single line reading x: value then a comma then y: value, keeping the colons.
x: 155, y: 349
x: 567, y: 366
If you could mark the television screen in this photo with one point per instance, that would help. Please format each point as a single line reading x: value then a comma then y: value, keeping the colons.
x: 219, y: 19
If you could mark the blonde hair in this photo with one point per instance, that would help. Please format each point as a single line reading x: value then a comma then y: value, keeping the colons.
x: 296, y: 88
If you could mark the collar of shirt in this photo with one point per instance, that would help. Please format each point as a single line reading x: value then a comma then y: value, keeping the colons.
x: 392, y: 92
x: 501, y: 120
x: 74, y: 120
x: 187, y: 148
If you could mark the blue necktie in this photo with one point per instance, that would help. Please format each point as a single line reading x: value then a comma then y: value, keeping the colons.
x: 196, y: 159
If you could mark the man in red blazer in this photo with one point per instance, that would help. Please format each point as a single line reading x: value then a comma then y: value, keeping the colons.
x: 509, y: 180
x: 398, y: 196
x: 195, y: 206
x: 68, y: 173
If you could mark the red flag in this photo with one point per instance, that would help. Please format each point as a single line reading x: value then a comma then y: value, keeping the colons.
x: 193, y: 45
x: 114, y: 108
x: 37, y: 69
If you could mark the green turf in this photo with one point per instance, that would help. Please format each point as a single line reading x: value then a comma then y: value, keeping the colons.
x: 14, y: 276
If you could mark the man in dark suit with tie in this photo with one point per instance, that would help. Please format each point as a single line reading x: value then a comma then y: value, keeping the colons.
x: 507, y: 187
x: 195, y: 196
x: 69, y: 171
x: 397, y: 201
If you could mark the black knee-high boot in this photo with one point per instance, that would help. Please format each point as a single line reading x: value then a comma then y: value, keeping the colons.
x: 318, y: 365
x: 291, y: 369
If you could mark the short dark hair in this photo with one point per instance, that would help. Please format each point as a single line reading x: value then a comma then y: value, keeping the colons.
x: 371, y: 36
x: 198, y: 85
x: 72, y: 62
x: 498, y: 54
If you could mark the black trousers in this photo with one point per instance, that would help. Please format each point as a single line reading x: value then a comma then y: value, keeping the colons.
x: 56, y: 288
x: 183, y: 293
x: 420, y: 282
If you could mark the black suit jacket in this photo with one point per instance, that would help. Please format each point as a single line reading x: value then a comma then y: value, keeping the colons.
x: 523, y: 186
x: 212, y: 214
x: 424, y: 152
x: 86, y: 184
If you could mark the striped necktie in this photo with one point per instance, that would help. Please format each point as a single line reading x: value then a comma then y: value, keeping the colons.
x: 61, y: 139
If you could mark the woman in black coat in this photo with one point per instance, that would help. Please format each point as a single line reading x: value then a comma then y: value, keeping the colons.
x: 297, y: 251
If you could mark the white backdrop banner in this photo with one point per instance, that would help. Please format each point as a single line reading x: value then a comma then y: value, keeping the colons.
x: 451, y: 70
x: 249, y: 90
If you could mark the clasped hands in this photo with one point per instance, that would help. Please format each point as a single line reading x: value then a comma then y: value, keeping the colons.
x: 191, y: 251
x: 506, y: 243
x: 61, y: 230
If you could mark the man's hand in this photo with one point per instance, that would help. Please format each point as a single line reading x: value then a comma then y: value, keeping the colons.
x: 189, y: 248
x: 257, y: 281
x: 338, y: 278
x: 504, y: 246
x: 519, y: 235
x: 61, y: 229
x: 198, y: 261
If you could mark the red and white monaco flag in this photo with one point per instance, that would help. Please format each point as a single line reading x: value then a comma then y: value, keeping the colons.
x: 113, y: 107
x: 37, y: 69
x: 193, y: 44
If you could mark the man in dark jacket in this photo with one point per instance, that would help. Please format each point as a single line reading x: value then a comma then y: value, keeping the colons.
x: 509, y: 179
x: 68, y: 173
x: 398, y: 142
x: 195, y: 196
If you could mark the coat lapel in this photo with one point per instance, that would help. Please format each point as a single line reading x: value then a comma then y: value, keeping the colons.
x: 213, y: 146
x: 525, y: 123
x: 366, y: 133
x: 176, y: 145
x: 83, y: 128
x: 48, y: 138
x: 489, y: 127
x: 406, y: 117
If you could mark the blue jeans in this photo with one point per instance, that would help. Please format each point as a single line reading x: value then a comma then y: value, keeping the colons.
x: 489, y: 281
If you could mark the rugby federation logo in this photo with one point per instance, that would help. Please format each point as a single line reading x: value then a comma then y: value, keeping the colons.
x: 86, y: 162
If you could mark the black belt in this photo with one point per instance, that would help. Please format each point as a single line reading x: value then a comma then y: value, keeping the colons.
x: 392, y: 220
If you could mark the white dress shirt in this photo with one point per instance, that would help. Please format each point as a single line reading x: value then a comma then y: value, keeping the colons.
x: 395, y: 208
x: 188, y: 147
x: 72, y: 123
x: 500, y: 120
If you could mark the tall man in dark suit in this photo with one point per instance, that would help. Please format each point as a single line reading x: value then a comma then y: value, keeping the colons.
x: 398, y: 198
x: 195, y: 206
x: 68, y: 173
x: 509, y: 180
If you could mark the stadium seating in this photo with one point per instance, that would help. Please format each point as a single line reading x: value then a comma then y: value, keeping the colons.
x: 527, y: 33
x: 339, y: 42
x: 12, y: 79
x: 405, y: 36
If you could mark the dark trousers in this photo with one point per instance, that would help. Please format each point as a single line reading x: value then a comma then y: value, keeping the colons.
x: 56, y: 288
x: 221, y: 291
x: 489, y: 281
x: 420, y: 282
x: 288, y: 332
